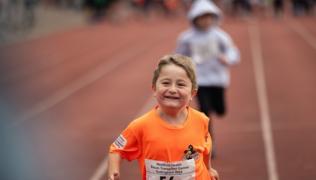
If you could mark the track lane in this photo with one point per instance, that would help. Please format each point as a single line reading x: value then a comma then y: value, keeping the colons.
x: 239, y: 136
x: 291, y: 88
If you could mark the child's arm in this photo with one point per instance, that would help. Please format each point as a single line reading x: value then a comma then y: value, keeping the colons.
x: 206, y: 159
x: 114, y: 166
x: 213, y: 173
x: 207, y: 156
x: 229, y: 52
x: 223, y: 59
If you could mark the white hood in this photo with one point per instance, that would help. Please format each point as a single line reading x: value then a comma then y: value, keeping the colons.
x: 200, y: 7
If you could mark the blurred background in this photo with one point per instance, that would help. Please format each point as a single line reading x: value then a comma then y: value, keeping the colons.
x: 30, y: 18
x: 74, y: 73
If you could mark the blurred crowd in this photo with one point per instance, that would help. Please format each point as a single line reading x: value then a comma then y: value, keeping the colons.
x: 24, y: 9
x: 17, y: 15
x: 171, y: 7
x: 17, y: 11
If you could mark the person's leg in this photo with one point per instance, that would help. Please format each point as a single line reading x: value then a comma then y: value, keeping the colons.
x: 217, y: 108
x: 218, y: 102
x: 203, y: 100
x: 204, y: 97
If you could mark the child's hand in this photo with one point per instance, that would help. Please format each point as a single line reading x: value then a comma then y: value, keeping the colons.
x: 114, y: 176
x: 214, y: 174
x: 223, y: 60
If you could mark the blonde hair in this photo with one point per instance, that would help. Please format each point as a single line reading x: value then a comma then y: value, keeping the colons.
x: 182, y: 61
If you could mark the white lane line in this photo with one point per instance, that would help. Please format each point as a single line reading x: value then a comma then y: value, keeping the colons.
x: 306, y: 35
x: 89, y: 78
x: 263, y: 101
x: 103, y: 167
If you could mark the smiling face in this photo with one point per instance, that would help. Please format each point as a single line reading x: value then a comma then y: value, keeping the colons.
x: 173, y: 88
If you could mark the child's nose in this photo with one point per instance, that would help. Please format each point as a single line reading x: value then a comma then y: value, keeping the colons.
x: 173, y: 88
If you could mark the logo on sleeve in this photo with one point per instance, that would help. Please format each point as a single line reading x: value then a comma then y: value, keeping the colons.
x: 120, y: 142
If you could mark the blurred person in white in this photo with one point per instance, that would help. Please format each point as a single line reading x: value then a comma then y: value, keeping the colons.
x: 213, y: 53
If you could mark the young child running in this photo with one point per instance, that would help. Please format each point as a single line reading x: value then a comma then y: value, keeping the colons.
x: 171, y: 141
x: 213, y: 52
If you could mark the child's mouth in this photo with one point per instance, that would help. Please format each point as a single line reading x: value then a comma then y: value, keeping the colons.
x: 172, y: 97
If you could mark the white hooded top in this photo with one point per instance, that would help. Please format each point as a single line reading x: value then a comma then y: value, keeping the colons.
x: 205, y: 47
x: 200, y: 7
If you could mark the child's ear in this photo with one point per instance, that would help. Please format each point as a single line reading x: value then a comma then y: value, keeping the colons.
x: 194, y: 92
x: 153, y: 88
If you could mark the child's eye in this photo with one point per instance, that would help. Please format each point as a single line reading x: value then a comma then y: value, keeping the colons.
x: 182, y: 84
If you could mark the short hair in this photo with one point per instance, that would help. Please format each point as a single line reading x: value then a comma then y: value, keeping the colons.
x: 182, y: 61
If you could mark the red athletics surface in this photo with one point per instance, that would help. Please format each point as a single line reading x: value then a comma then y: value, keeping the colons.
x: 80, y: 88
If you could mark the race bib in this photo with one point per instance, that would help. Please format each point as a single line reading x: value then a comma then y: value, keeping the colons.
x: 160, y: 170
x: 205, y: 49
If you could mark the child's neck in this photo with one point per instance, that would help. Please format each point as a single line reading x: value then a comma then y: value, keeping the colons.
x: 175, y: 118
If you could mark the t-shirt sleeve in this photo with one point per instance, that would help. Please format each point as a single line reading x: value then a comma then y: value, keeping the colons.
x: 127, y: 144
x: 183, y: 46
x: 208, y: 139
x: 207, y: 143
x: 230, y: 50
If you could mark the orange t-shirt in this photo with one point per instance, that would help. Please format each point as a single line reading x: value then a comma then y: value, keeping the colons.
x: 165, y: 151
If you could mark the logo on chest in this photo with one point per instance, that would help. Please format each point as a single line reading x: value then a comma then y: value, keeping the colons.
x: 190, y: 153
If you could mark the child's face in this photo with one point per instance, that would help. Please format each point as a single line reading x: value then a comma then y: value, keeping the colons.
x: 173, y: 89
x: 204, y: 22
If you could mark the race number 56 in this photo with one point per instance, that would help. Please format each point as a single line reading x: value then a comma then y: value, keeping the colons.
x: 166, y: 178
